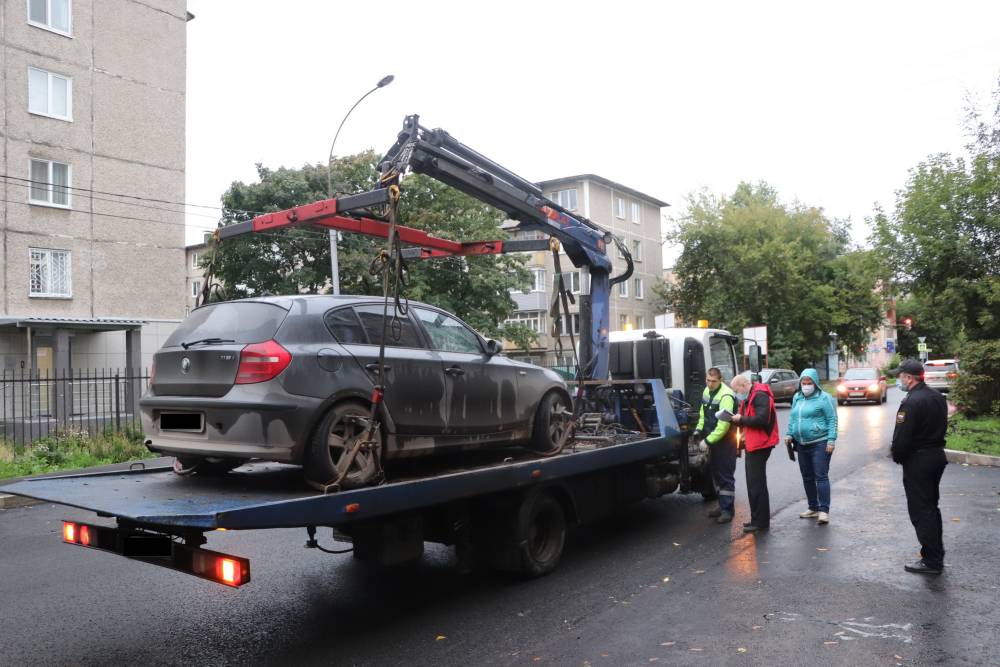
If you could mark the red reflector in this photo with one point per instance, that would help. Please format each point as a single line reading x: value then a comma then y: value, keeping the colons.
x: 69, y: 532
x: 536, y: 473
x: 352, y: 508
x: 85, y: 535
x: 261, y: 362
x: 229, y: 571
x: 952, y: 375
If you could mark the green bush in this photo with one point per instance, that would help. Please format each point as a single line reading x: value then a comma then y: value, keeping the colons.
x: 892, y: 363
x: 977, y: 387
x: 68, y: 450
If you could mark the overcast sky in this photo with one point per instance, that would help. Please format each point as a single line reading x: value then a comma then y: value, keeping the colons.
x: 831, y: 103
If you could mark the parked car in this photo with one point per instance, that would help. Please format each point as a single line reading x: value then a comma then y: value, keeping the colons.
x: 940, y: 374
x: 290, y: 378
x: 861, y: 384
x: 782, y: 381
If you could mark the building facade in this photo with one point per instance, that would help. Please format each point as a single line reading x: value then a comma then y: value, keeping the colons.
x: 630, y: 215
x: 92, y: 218
x: 195, y: 275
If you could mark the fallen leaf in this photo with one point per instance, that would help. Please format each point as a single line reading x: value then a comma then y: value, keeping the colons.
x: 699, y: 571
x: 604, y: 655
x: 667, y: 643
x: 666, y: 579
x: 695, y: 648
x: 897, y: 657
x: 536, y: 659
x: 821, y: 549
x: 830, y: 643
x: 757, y: 627
x: 439, y: 638
x: 956, y: 519
x: 676, y: 544
x: 741, y: 650
x: 653, y: 659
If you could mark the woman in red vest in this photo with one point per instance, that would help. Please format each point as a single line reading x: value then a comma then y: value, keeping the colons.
x: 758, y: 424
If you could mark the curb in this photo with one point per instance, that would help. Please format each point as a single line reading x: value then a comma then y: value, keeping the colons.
x: 965, y: 458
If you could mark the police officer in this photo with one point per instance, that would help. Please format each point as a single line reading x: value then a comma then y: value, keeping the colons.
x: 918, y: 445
x: 721, y: 440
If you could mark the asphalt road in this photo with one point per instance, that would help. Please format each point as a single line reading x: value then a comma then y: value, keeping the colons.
x: 657, y: 584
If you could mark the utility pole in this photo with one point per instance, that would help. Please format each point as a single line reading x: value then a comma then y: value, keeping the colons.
x: 334, y: 235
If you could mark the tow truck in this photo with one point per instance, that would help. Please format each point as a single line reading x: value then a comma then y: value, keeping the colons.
x: 510, y: 509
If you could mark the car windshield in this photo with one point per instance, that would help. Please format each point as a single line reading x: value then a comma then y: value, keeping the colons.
x: 860, y: 374
x: 939, y: 366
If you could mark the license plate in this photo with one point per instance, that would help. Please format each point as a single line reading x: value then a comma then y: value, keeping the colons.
x: 184, y: 422
x: 857, y: 393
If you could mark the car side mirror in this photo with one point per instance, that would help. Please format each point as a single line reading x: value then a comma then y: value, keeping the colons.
x: 493, y: 347
x: 773, y: 380
x: 755, y: 358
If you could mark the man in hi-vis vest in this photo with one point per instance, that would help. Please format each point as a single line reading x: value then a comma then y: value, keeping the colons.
x: 720, y: 436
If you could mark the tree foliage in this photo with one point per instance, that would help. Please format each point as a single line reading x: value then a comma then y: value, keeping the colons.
x: 747, y: 259
x: 294, y: 261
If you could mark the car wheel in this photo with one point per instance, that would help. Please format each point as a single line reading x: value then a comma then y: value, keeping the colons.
x: 342, y: 427
x: 885, y: 396
x: 207, y: 466
x: 840, y: 402
x: 548, y: 433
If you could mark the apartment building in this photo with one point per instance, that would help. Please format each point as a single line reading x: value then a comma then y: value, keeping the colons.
x: 92, y: 231
x: 195, y: 277
x: 628, y: 214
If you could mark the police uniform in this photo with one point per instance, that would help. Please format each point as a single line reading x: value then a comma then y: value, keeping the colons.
x: 918, y: 445
x: 721, y: 439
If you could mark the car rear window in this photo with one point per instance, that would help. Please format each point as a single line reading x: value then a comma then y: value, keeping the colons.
x: 938, y: 366
x: 860, y: 374
x: 239, y: 321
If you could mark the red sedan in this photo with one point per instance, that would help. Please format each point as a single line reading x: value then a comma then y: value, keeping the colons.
x: 861, y: 384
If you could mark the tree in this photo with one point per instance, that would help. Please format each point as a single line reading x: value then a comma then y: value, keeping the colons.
x: 293, y: 261
x: 747, y: 259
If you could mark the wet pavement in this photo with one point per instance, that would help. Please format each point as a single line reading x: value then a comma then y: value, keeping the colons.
x: 658, y: 584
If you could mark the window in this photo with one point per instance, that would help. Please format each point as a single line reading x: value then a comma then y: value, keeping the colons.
x: 565, y: 198
x: 565, y: 324
x: 345, y: 326
x: 448, y: 334
x: 622, y: 322
x: 640, y: 293
x: 49, y: 183
x: 538, y: 284
x: 49, y: 273
x: 534, y: 319
x: 640, y: 321
x: 401, y: 331
x: 50, y: 94
x: 50, y: 14
x: 721, y: 351
x: 623, y: 288
x: 195, y: 288
x: 637, y: 250
x: 571, y: 280
x: 194, y: 260
x: 636, y: 211
x: 619, y: 208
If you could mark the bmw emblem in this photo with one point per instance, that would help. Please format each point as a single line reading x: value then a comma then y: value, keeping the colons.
x: 185, y: 365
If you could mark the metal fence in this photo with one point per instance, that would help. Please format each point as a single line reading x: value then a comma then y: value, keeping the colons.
x: 35, y: 403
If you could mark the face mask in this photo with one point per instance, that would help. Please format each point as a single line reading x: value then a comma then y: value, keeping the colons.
x: 742, y: 395
x: 808, y: 389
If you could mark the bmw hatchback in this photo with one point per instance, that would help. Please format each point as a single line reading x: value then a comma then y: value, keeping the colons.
x: 290, y: 379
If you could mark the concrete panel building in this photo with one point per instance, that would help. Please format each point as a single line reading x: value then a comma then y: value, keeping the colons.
x: 92, y: 220
x: 631, y: 215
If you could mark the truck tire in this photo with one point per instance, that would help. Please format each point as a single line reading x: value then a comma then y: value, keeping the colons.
x: 208, y: 467
x: 542, y: 533
x: 340, y: 429
x: 548, y: 428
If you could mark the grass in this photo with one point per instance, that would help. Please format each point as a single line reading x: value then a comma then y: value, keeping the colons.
x: 976, y: 436
x: 69, y: 451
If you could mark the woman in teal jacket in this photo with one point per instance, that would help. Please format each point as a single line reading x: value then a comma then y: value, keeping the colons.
x: 812, y: 426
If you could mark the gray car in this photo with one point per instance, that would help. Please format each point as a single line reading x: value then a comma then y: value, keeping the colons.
x: 782, y: 381
x: 290, y: 379
x: 940, y: 374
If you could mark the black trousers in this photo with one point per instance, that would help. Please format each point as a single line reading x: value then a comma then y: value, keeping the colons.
x: 922, y: 472
x: 760, y: 501
x: 722, y: 462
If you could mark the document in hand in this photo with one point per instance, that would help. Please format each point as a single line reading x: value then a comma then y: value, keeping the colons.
x: 724, y: 415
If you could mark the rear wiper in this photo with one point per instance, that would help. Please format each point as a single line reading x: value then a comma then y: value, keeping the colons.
x: 210, y: 341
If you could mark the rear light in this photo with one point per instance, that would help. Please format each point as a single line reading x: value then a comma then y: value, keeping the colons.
x: 229, y: 571
x: 220, y: 568
x: 261, y: 362
x: 85, y: 535
x: 69, y: 532
x: 952, y: 375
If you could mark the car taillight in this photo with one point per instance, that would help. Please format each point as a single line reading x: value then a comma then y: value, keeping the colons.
x: 952, y: 375
x: 260, y: 362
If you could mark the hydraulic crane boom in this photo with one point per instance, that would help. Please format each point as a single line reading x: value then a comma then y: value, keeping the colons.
x: 437, y: 154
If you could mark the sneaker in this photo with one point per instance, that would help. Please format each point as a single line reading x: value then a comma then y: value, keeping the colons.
x: 823, y: 518
x: 724, y: 517
x: 921, y: 567
x: 753, y: 529
x: 712, y: 514
x: 809, y: 514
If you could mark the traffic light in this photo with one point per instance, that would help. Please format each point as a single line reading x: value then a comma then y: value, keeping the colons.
x: 908, y: 323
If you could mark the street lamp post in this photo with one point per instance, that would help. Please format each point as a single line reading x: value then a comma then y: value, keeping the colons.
x: 334, y: 264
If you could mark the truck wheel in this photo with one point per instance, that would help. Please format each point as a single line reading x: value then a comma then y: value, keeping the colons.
x: 208, y: 467
x: 549, y: 427
x: 542, y: 533
x: 342, y: 427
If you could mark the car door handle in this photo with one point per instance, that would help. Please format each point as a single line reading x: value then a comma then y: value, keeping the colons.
x: 454, y: 370
x: 522, y: 372
x: 374, y: 367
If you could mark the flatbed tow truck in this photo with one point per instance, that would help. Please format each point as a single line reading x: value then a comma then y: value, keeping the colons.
x: 507, y: 508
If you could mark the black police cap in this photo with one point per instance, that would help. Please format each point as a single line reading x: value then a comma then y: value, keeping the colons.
x: 911, y: 366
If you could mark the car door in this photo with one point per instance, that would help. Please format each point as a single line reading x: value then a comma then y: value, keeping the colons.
x: 481, y: 388
x: 415, y: 390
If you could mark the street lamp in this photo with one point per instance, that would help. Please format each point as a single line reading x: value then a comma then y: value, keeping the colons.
x: 334, y: 265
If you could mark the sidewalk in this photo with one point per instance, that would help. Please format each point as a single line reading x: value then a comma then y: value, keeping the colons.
x: 809, y: 594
